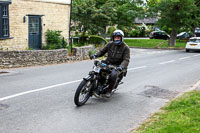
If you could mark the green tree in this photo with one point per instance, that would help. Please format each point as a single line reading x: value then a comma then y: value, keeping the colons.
x: 95, y: 15
x: 105, y: 13
x: 175, y: 14
x: 127, y: 11
x: 196, y: 16
x: 82, y: 14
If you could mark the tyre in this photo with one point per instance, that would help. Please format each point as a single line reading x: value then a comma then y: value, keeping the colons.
x: 187, y: 50
x: 83, y: 92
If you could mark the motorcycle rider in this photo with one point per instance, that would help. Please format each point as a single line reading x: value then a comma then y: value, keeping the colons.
x: 118, y: 55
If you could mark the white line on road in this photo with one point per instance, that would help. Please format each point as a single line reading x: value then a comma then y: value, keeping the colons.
x: 50, y: 87
x: 36, y: 90
x: 135, y: 68
x: 184, y: 58
x: 197, y: 55
x: 167, y: 62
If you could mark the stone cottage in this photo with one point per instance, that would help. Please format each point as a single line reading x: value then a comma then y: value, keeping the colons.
x: 23, y: 23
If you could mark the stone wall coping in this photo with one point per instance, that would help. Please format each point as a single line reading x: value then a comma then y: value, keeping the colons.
x: 33, y: 50
x: 13, y: 59
x: 10, y: 51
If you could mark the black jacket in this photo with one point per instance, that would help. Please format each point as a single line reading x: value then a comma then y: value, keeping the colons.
x: 117, y: 54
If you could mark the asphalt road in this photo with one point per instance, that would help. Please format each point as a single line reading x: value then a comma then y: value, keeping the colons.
x: 40, y: 99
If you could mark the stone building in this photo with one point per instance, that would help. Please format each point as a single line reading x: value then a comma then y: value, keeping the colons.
x: 23, y: 23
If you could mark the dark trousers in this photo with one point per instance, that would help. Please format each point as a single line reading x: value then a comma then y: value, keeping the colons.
x: 115, y: 75
x: 113, y: 80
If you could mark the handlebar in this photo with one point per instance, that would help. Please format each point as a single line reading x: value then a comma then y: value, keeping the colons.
x: 104, y: 65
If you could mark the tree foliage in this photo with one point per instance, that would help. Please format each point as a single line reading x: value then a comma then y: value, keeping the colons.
x: 94, y: 15
x: 175, y: 15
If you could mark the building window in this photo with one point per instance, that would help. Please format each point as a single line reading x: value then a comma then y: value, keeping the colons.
x: 4, y: 20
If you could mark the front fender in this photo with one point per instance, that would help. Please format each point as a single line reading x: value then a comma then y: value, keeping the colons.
x: 91, y: 79
x: 88, y: 77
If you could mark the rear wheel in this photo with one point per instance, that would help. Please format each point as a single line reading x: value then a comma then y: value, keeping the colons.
x: 83, y: 92
x: 187, y: 50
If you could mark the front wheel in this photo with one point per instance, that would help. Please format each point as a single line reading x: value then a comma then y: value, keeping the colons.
x: 83, y: 92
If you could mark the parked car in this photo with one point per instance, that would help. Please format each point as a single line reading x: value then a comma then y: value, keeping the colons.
x: 193, y: 44
x: 158, y: 35
x: 197, y: 32
x: 183, y: 35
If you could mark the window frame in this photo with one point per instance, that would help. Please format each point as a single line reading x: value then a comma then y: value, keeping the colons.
x: 2, y: 36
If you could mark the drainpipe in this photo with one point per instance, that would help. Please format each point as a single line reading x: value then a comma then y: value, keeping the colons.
x: 70, y: 38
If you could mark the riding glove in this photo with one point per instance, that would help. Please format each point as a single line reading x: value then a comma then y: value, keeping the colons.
x: 92, y: 57
x: 120, y: 68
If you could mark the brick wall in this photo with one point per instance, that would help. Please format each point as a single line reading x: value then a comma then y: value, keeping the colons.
x: 13, y: 59
x: 56, y: 17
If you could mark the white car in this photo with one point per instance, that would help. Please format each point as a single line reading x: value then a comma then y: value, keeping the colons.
x: 193, y: 44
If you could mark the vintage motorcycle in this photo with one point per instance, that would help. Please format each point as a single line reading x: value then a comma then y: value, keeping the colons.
x: 96, y: 82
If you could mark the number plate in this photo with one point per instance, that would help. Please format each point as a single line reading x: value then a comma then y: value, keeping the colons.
x: 97, y: 69
x: 193, y: 44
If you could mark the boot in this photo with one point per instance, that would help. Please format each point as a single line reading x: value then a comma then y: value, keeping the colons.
x: 111, y: 86
x: 109, y: 90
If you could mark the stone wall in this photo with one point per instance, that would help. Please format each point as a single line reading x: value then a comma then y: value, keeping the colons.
x: 55, y: 16
x: 13, y: 59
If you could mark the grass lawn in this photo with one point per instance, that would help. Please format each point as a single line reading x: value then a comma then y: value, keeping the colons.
x: 182, y: 115
x: 153, y: 43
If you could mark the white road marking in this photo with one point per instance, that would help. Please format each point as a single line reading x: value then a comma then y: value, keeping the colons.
x: 36, y: 90
x: 184, y: 58
x: 166, y: 62
x: 135, y: 68
x: 197, y: 55
x: 144, y: 52
x: 53, y: 86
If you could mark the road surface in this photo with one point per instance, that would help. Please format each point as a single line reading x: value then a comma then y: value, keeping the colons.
x: 40, y: 99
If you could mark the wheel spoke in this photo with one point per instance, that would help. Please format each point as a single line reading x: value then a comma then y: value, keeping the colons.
x: 84, y: 92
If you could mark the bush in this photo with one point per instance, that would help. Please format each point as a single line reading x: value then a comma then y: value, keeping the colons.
x: 142, y: 31
x: 82, y: 41
x: 132, y: 31
x: 135, y: 33
x: 55, y: 40
x: 98, y: 41
x: 94, y: 39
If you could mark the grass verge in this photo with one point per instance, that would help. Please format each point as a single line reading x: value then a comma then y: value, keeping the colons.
x: 182, y: 115
x: 153, y: 43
